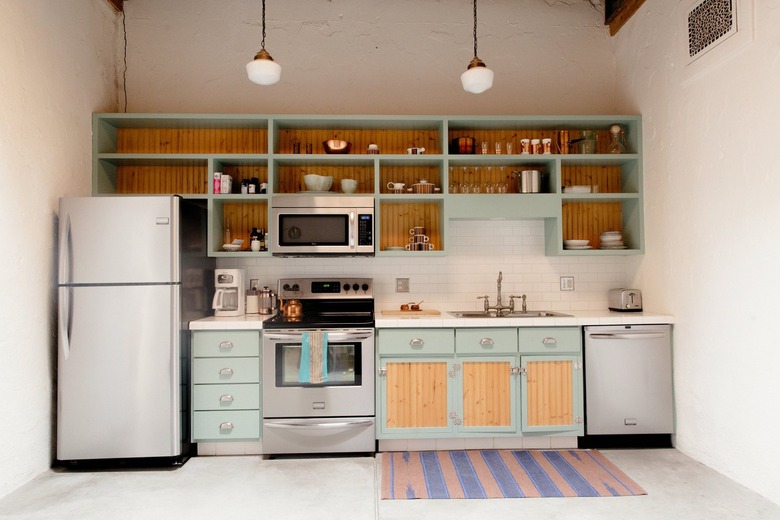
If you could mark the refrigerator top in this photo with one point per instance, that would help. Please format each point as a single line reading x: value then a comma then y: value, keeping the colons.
x: 119, y: 240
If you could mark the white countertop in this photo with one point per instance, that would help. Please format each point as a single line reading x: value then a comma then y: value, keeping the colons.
x: 245, y: 322
x: 577, y: 319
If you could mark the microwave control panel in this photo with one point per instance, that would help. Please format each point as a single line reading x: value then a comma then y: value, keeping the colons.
x: 365, y: 230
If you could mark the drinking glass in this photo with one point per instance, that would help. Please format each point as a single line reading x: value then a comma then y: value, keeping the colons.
x: 484, y: 147
x: 498, y: 147
x: 509, y: 147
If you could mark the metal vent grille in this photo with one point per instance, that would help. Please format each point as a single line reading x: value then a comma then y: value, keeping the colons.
x: 709, y: 23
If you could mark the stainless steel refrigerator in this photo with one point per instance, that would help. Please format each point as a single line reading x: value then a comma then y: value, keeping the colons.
x: 133, y: 271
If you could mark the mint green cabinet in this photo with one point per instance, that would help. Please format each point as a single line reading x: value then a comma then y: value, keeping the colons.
x: 479, y: 382
x: 180, y: 153
x: 226, y: 386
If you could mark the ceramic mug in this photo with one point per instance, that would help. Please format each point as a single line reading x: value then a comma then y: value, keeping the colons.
x: 419, y: 246
x: 415, y: 151
x: 397, y: 187
x: 417, y: 230
x: 419, y: 239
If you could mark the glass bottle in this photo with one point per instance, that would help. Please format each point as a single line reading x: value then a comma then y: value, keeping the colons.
x: 227, y: 239
x: 616, y: 145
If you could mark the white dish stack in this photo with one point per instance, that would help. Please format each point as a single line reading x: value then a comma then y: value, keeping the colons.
x: 612, y: 240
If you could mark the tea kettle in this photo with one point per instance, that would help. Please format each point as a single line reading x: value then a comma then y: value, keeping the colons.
x: 291, y: 309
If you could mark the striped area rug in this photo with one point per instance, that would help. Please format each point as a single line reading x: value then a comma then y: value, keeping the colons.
x: 503, y: 474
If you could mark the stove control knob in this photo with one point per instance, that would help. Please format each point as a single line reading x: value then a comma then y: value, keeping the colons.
x: 355, y: 287
x: 346, y: 287
x: 365, y: 287
x: 286, y: 287
x: 295, y: 287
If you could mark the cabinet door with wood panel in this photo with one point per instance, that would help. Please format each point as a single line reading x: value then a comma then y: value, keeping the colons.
x: 487, y: 394
x: 551, y: 394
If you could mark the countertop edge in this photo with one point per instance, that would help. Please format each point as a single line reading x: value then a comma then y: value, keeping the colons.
x: 577, y: 319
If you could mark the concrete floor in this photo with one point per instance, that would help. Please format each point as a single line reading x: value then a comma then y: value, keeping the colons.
x: 348, y: 488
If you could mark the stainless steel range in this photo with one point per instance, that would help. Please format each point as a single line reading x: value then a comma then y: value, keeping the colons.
x: 318, y: 368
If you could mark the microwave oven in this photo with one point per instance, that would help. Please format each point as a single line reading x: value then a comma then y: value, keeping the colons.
x: 304, y: 225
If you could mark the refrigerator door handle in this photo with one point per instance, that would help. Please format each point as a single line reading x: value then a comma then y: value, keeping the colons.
x: 64, y: 250
x: 63, y: 319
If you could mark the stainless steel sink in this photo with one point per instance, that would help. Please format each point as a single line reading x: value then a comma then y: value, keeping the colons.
x: 516, y: 314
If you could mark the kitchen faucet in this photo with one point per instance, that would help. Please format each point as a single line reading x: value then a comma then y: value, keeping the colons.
x: 499, y: 307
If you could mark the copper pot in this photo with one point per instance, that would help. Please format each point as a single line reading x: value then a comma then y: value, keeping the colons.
x: 463, y: 145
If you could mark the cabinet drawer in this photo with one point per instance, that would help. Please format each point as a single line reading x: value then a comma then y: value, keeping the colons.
x: 416, y: 341
x: 228, y: 370
x: 486, y: 341
x: 225, y: 425
x: 226, y: 397
x: 222, y: 343
x: 543, y: 340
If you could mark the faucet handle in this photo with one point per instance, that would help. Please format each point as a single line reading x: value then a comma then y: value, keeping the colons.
x: 487, y: 301
x: 512, y: 302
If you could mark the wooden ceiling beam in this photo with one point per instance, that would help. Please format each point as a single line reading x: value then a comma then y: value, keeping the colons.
x: 618, y: 12
x: 117, y: 4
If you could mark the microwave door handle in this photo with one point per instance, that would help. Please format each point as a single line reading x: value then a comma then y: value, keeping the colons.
x: 352, y: 230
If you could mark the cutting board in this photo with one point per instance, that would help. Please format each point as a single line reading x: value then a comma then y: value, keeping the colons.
x: 412, y: 314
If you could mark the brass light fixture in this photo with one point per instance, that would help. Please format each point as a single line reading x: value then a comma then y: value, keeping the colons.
x: 263, y: 70
x: 477, y: 78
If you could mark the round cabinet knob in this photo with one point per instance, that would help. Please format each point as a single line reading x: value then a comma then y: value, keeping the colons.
x: 355, y: 287
x: 365, y: 287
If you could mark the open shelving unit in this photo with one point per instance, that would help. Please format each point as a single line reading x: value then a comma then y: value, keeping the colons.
x: 179, y: 153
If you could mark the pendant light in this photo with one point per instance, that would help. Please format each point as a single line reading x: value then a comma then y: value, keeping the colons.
x: 477, y: 78
x: 263, y: 70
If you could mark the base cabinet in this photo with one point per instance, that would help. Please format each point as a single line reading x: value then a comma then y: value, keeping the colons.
x: 478, y: 382
x: 226, y: 390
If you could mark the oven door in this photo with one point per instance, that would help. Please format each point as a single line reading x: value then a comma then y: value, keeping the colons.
x: 347, y: 389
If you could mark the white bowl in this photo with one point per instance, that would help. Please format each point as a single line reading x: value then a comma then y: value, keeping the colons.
x: 348, y: 185
x: 315, y: 182
x: 576, y: 243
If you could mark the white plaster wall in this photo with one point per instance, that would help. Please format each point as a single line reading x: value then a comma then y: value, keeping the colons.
x: 58, y: 63
x: 712, y: 216
x: 368, y: 56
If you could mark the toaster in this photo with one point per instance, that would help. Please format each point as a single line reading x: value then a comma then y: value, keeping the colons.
x: 625, y: 300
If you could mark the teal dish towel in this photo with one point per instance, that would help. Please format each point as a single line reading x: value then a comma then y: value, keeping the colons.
x: 314, y: 358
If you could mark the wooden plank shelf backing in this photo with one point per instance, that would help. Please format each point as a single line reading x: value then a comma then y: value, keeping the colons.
x: 388, y: 141
x: 162, y: 179
x: 291, y: 177
x: 408, y: 175
x: 587, y: 220
x: 398, y: 218
x: 191, y: 140
x: 241, y: 217
x: 606, y: 177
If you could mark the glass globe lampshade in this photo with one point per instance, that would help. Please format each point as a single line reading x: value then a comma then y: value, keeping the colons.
x: 263, y: 70
x: 477, y: 78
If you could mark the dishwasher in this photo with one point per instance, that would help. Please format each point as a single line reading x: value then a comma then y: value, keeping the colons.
x: 628, y: 380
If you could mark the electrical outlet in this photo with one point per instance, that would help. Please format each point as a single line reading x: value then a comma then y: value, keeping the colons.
x: 567, y: 283
x: 401, y: 285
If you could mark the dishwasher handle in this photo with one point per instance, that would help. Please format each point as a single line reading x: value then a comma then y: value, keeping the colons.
x: 626, y: 335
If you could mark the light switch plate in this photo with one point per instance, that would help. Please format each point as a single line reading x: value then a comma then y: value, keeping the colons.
x: 567, y: 283
x: 401, y: 285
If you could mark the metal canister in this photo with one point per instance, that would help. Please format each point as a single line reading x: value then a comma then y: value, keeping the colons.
x: 530, y: 181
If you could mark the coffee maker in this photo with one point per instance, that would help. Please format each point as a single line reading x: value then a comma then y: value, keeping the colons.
x: 229, y: 293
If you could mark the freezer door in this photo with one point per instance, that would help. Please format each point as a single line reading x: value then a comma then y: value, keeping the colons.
x: 118, y: 240
x: 118, y: 393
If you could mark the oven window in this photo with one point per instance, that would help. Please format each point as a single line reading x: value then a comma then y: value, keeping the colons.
x: 322, y: 230
x: 344, y: 362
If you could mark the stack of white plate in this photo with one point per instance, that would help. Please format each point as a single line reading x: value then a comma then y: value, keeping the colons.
x: 612, y: 240
x: 576, y: 244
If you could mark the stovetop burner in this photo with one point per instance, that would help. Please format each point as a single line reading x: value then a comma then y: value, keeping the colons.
x: 342, y: 303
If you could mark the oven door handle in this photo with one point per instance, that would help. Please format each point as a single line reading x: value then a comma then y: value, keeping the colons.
x: 319, y: 426
x: 332, y: 336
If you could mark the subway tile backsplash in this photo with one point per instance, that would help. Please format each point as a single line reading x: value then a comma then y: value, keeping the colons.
x: 477, y: 251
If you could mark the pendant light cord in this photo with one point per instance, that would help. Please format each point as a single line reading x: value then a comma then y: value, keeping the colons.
x: 475, y: 27
x: 262, y: 43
